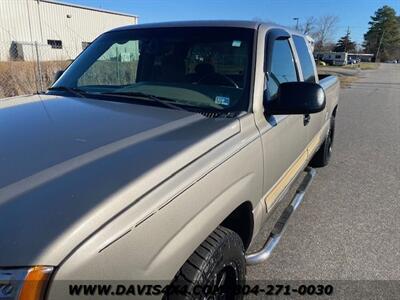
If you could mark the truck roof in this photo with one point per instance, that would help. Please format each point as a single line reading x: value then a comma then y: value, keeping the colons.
x: 213, y: 23
x: 209, y: 23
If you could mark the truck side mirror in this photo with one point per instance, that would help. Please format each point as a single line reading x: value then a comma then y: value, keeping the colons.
x: 58, y: 75
x: 297, y: 98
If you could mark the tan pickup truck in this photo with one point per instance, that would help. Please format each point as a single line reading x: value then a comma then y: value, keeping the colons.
x: 157, y: 156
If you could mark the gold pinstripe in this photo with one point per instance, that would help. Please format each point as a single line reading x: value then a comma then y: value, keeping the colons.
x: 293, y: 170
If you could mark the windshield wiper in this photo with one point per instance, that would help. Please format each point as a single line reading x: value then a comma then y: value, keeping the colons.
x: 75, y: 91
x: 163, y: 101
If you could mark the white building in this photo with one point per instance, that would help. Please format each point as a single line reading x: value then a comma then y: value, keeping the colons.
x: 52, y: 30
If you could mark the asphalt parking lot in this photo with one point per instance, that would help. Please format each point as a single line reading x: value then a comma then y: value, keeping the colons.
x: 348, y: 226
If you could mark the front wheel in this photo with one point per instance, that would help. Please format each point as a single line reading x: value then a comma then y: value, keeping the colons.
x: 214, y: 270
x: 323, y: 155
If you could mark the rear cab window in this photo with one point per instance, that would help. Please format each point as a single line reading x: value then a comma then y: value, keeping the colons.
x: 306, y: 62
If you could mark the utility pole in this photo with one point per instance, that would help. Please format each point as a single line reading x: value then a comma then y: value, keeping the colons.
x: 297, y: 23
x: 379, y: 46
x: 346, y: 41
x: 32, y: 45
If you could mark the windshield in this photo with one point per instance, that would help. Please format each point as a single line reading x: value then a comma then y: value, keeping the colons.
x: 202, y: 67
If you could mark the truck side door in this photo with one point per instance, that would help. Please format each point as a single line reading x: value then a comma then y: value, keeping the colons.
x: 309, y: 72
x: 284, y: 137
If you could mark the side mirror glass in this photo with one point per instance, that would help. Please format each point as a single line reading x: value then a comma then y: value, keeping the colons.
x: 297, y: 98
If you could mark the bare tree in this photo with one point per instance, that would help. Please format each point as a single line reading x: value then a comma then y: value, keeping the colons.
x: 308, y: 26
x: 324, y: 29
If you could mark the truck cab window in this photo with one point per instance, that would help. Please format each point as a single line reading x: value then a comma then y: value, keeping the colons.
x: 305, y: 57
x: 283, y: 68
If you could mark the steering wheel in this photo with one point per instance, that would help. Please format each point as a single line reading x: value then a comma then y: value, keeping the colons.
x: 224, y: 77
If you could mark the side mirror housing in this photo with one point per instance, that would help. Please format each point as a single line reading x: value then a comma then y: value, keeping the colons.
x: 58, y: 75
x: 297, y: 98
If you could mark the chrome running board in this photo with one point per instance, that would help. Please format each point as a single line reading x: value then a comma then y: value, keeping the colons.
x: 280, y: 226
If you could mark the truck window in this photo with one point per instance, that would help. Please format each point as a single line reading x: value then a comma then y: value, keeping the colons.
x: 116, y: 66
x: 228, y: 58
x: 283, y: 68
x: 306, y: 63
x: 204, y: 68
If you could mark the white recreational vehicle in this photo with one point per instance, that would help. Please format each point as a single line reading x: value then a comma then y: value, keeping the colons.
x: 333, y: 58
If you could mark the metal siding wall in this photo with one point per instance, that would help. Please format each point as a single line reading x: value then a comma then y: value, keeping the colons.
x: 30, y: 64
x: 13, y: 24
x: 83, y: 26
x: 19, y: 19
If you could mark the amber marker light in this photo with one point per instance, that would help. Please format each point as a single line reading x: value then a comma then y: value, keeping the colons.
x: 35, y: 283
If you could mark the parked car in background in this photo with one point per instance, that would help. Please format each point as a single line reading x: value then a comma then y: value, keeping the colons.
x: 158, y: 155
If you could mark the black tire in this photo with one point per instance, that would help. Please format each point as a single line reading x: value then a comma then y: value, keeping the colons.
x: 323, y: 155
x: 218, y: 262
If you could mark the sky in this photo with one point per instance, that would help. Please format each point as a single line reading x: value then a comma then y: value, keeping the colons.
x: 354, y: 14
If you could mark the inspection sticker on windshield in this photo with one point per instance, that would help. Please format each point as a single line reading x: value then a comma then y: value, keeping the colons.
x: 236, y: 43
x: 221, y: 100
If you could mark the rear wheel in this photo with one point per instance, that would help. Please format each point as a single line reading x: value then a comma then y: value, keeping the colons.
x: 218, y: 265
x: 323, y: 155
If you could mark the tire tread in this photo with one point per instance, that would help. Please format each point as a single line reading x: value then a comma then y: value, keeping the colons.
x: 197, y: 267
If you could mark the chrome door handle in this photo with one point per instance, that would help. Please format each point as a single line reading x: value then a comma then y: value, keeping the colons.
x: 307, y: 119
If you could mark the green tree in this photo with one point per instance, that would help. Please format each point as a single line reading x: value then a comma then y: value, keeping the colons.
x: 345, y: 44
x: 383, y: 35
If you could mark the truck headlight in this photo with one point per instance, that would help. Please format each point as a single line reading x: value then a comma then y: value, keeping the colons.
x: 24, y: 283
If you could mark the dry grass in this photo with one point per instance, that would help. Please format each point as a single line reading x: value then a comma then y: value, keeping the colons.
x: 346, y: 81
x: 20, y: 77
x: 347, y: 74
x: 364, y: 66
